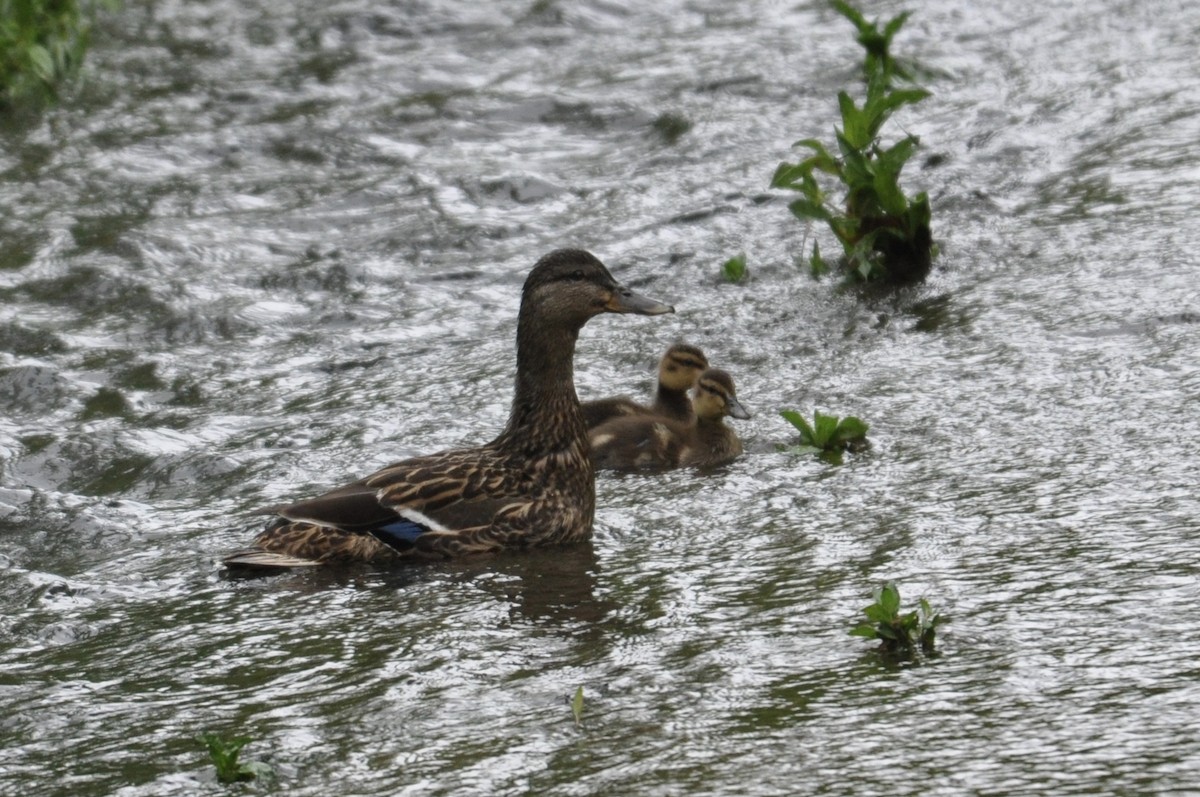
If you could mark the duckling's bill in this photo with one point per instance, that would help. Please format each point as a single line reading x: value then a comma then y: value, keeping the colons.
x: 736, y: 410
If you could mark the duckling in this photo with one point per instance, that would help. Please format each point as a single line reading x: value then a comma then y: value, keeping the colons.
x: 636, y: 442
x: 532, y: 485
x: 677, y: 374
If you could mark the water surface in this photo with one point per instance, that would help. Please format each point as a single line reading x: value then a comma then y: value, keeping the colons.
x: 262, y: 250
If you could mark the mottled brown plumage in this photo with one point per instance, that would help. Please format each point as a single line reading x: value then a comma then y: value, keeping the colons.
x: 653, y: 443
x: 533, y: 485
x: 677, y: 374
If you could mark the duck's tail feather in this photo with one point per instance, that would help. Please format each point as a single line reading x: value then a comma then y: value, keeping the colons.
x: 258, y: 559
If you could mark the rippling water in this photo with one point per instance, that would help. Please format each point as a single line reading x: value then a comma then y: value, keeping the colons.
x: 265, y: 249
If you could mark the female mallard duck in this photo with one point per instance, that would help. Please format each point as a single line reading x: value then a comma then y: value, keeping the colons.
x: 636, y: 442
x: 677, y: 374
x: 532, y: 485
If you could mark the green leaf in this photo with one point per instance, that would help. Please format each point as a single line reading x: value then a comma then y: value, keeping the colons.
x: 895, y: 99
x: 816, y: 264
x: 865, y: 267
x: 798, y: 420
x: 851, y: 13
x: 801, y: 449
x: 823, y: 162
x: 824, y: 427
x: 889, y: 196
x: 889, y: 598
x: 864, y: 630
x: 851, y: 428
x: 41, y: 62
x: 918, y: 210
x: 821, y: 158
x: 886, y: 632
x: 577, y: 706
x: 734, y: 269
x: 856, y: 169
x: 224, y: 754
x: 807, y: 209
x: 855, y: 125
x: 813, y: 144
x: 894, y: 25
x: 787, y: 174
x: 894, y: 158
x: 877, y: 614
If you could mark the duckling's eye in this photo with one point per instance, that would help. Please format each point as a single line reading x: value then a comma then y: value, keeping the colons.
x: 578, y: 275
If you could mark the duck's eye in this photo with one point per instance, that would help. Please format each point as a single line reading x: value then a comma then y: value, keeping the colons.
x: 578, y: 275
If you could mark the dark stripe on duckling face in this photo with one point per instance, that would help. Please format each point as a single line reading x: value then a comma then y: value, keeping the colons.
x: 715, y: 389
x: 683, y: 356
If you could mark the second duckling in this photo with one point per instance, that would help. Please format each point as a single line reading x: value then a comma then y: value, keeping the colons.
x: 678, y: 371
x: 649, y: 442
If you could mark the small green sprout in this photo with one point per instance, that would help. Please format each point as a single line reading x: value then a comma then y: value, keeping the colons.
x: 899, y: 634
x: 224, y: 754
x: 876, y: 42
x: 827, y: 436
x: 734, y: 269
x: 577, y: 707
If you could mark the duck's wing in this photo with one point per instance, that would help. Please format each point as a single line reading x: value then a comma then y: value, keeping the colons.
x: 453, y: 494
x: 448, y: 491
x: 636, y: 443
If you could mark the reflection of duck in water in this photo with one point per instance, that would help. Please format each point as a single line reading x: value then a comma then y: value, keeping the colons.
x: 531, y: 486
x: 677, y: 374
x: 633, y: 443
x: 546, y: 586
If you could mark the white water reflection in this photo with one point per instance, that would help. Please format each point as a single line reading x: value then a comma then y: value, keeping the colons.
x: 289, y: 243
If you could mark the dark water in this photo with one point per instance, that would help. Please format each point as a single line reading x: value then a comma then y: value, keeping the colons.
x: 264, y: 249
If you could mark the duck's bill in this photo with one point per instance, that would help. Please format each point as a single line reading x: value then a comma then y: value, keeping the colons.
x: 736, y: 410
x: 626, y: 301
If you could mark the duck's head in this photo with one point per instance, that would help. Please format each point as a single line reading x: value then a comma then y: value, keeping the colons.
x: 716, y: 397
x: 681, y: 366
x: 569, y: 286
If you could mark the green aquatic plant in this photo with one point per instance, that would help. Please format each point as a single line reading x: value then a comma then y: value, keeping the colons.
x: 734, y: 269
x: 42, y: 42
x: 885, y: 234
x: 876, y: 42
x: 899, y: 634
x: 671, y: 126
x: 224, y: 754
x: 577, y: 707
x: 827, y: 436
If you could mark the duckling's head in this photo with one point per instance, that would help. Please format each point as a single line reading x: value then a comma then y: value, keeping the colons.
x: 569, y: 286
x: 681, y: 366
x: 716, y: 397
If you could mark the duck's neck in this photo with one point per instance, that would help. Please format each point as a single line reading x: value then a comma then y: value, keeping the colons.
x: 672, y: 402
x: 545, y: 416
